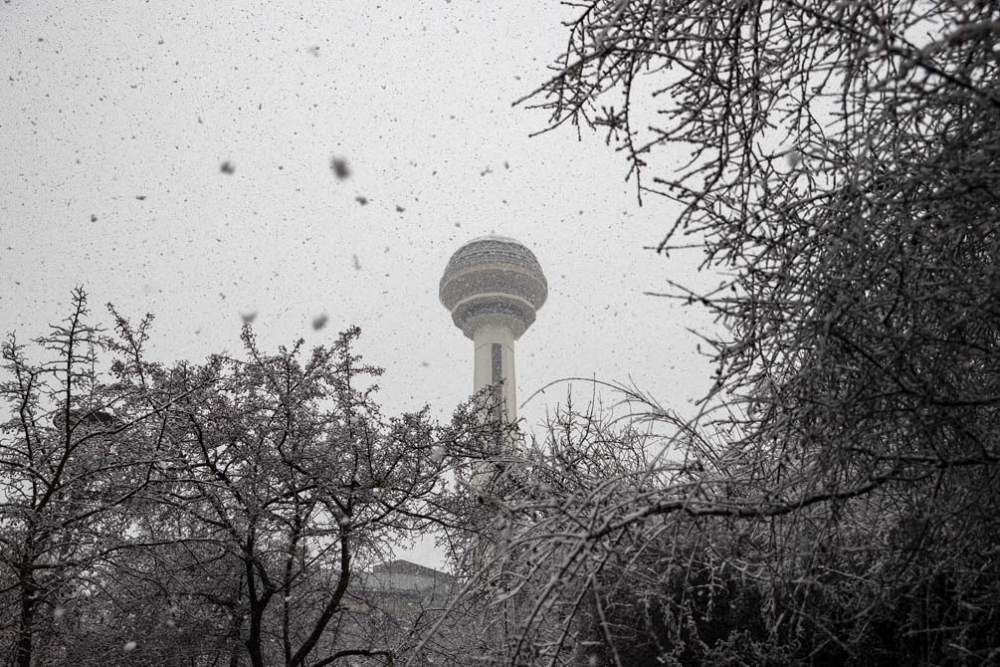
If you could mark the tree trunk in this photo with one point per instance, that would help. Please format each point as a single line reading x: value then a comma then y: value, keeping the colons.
x: 27, y: 619
x: 258, y: 604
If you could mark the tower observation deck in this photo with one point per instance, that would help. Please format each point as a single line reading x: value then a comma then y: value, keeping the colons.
x: 493, y: 285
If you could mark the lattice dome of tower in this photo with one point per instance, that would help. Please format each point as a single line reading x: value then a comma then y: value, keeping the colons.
x: 493, y: 280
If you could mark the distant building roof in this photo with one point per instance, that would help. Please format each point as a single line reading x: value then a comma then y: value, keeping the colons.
x: 406, y: 567
x: 402, y: 576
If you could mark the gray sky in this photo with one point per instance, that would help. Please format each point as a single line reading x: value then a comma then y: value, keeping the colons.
x: 124, y: 111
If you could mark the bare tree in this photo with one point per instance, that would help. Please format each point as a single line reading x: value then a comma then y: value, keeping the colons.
x: 841, y: 173
x: 208, y: 514
x: 293, y: 482
x: 74, y: 454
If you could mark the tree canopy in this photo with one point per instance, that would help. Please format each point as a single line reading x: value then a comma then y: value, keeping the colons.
x: 837, y: 502
x: 216, y: 513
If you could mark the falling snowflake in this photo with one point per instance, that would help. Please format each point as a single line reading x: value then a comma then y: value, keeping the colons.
x: 340, y: 168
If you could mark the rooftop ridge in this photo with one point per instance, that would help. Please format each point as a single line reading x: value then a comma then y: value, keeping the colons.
x: 401, y: 566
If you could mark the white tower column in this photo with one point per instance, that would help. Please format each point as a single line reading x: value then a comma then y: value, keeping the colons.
x: 494, y: 366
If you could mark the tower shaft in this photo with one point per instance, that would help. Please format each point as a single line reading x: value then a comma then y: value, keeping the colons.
x: 494, y: 367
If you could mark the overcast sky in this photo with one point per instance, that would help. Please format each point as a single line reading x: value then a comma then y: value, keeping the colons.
x: 115, y: 117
